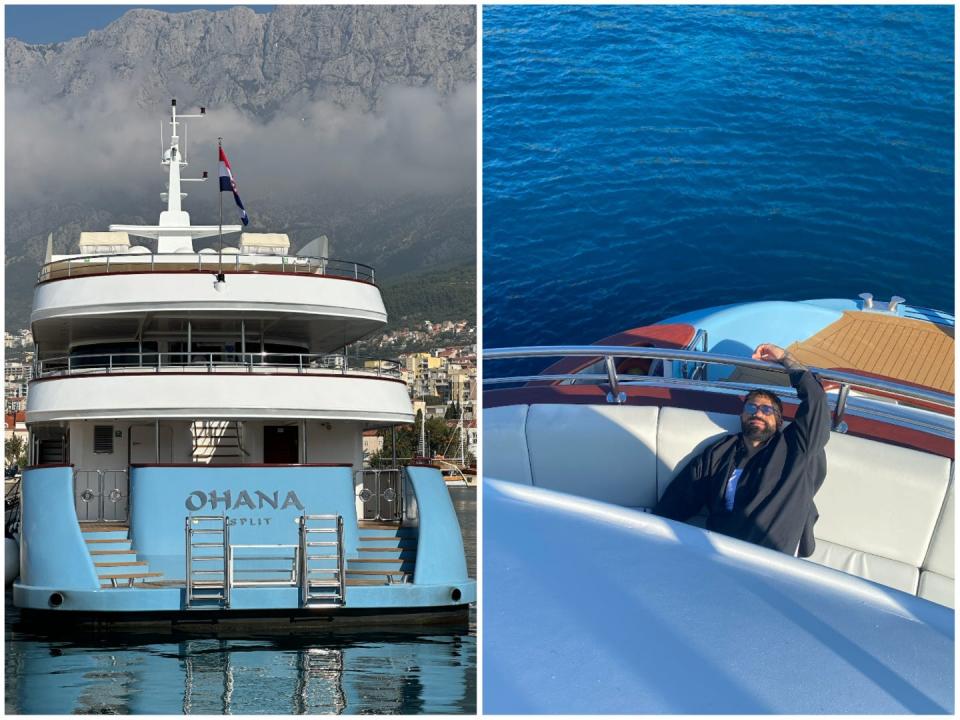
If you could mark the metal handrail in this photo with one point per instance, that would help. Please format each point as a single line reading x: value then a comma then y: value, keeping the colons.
x: 106, y: 264
x: 304, y: 363
x: 293, y: 569
x: 223, y: 530
x: 304, y: 565
x: 600, y: 351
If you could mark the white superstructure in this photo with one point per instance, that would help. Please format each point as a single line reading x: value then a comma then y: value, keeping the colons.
x: 148, y: 350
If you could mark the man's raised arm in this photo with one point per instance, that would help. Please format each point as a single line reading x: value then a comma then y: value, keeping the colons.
x: 811, y: 424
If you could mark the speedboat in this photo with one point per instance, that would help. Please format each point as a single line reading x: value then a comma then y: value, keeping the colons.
x: 195, y: 437
x: 594, y: 604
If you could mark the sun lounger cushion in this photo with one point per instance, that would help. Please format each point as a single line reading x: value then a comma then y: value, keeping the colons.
x: 605, y: 452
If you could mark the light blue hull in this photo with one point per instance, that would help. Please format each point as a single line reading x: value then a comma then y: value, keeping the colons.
x: 263, y: 506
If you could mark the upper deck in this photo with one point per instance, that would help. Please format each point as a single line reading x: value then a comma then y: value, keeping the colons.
x: 330, y: 303
x: 140, y: 260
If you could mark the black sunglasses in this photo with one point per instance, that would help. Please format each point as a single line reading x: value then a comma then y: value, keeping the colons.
x: 752, y: 408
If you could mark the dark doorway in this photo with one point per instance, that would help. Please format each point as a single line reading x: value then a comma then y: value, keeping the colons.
x: 281, y: 444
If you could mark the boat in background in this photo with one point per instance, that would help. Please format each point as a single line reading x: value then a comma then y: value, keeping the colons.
x: 195, y: 437
x: 669, y: 617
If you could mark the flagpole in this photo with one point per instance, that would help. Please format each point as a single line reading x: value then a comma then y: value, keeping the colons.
x: 220, y: 194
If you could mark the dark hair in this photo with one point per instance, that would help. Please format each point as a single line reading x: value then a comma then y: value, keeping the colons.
x: 777, y: 405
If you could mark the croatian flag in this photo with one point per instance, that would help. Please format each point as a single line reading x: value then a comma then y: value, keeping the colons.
x: 228, y: 183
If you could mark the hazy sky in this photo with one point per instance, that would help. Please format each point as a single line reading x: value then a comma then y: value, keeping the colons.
x: 56, y: 23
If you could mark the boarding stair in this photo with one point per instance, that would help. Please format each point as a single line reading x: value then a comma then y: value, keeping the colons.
x: 322, y: 581
x: 116, y: 562
x: 387, y: 555
x: 217, y: 442
x: 207, y: 538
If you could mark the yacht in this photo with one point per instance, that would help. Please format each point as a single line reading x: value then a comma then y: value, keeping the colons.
x: 195, y: 424
x: 668, y: 617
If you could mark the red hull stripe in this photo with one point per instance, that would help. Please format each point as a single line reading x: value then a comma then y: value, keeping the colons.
x: 665, y: 336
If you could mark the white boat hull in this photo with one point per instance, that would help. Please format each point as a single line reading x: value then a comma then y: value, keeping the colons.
x: 11, y: 556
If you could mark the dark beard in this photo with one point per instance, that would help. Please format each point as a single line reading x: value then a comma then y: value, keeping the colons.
x: 761, y: 434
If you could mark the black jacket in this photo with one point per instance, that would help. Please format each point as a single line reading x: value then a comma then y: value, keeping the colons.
x: 773, y: 505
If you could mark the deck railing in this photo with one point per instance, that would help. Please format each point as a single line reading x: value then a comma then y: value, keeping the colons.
x: 182, y: 362
x: 276, y: 565
x: 203, y: 262
x: 881, y: 389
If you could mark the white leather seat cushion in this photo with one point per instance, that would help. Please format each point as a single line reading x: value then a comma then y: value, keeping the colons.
x: 866, y: 565
x: 940, y: 556
x: 605, y: 452
x: 936, y: 588
x: 682, y: 434
x: 881, y: 499
x: 505, y: 444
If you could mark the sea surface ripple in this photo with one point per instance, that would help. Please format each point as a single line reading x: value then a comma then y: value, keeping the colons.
x: 642, y: 161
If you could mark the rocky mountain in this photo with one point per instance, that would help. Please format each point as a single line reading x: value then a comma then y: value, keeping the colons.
x: 261, y: 63
x: 357, y: 122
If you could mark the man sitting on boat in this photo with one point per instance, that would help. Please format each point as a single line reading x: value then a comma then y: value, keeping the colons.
x: 758, y: 485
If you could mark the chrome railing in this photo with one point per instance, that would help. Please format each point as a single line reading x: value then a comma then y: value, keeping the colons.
x: 247, y: 570
x: 202, y: 262
x: 207, y: 582
x: 907, y: 394
x: 698, y: 344
x: 214, y: 362
x: 316, y: 544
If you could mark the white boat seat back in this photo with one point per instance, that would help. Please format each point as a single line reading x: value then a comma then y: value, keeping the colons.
x: 682, y: 434
x: 505, y: 454
x: 937, y: 572
x: 604, y: 452
x: 881, y: 499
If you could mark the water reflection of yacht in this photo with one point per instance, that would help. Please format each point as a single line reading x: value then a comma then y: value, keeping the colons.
x: 405, y: 673
x: 196, y: 432
x: 669, y: 617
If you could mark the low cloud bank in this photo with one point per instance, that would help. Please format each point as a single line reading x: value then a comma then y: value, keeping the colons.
x: 107, y: 148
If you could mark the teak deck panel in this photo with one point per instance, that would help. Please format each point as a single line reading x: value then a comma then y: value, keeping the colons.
x: 898, y: 348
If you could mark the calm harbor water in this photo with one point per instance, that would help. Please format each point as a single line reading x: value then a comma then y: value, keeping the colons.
x: 643, y: 161
x: 391, y: 670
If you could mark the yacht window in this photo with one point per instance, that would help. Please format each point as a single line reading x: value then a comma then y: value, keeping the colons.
x: 121, y: 354
x: 103, y: 439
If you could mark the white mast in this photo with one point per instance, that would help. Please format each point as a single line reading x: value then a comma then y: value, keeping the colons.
x: 174, y: 232
x: 423, y: 432
x: 174, y: 215
x: 463, y: 455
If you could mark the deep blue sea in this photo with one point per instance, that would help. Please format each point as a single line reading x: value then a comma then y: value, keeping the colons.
x: 390, y: 670
x: 643, y: 161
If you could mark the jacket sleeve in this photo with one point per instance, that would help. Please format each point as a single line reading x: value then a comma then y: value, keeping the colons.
x: 810, y: 429
x: 687, y: 493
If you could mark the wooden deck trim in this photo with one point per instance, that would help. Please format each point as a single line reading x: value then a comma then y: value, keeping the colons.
x: 901, y: 349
